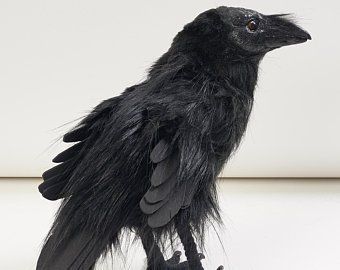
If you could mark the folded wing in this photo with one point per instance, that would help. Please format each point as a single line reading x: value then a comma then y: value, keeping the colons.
x: 180, y: 168
x: 83, y: 137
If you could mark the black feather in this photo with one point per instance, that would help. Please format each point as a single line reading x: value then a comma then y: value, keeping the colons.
x: 161, y: 192
x: 68, y: 153
x: 77, y: 135
x: 164, y: 170
x: 55, y: 171
x: 161, y: 151
x: 51, y: 188
x: 168, y: 211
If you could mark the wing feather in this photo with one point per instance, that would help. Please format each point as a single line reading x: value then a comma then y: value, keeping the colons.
x: 55, y: 171
x: 77, y: 135
x: 163, y: 171
x: 167, y: 211
x: 85, y: 134
x: 51, y: 191
x: 161, y: 151
x: 183, y: 166
x: 166, y: 194
x: 150, y: 208
x: 68, y: 153
x: 160, y: 192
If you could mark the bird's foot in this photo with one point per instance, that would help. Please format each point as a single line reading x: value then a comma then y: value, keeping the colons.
x: 174, y: 262
x: 175, y: 259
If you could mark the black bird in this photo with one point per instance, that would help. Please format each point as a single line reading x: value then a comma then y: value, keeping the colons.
x: 147, y: 160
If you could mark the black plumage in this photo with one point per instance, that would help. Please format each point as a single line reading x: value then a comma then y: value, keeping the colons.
x: 148, y: 159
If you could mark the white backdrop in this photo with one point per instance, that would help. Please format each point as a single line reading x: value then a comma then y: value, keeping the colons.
x: 58, y: 59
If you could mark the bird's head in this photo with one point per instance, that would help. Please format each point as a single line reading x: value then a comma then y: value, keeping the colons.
x: 239, y: 33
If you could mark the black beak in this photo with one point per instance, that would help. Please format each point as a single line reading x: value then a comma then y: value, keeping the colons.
x: 282, y: 32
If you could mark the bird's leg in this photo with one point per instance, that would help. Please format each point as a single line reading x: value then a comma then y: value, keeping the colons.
x: 193, y: 257
x: 155, y: 259
x: 188, y: 242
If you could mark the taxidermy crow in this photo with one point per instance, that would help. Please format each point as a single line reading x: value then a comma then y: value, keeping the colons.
x: 148, y: 160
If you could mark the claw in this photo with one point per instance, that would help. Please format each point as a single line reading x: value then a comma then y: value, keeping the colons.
x: 182, y: 265
x: 177, y: 253
x: 175, y: 259
x: 201, y: 256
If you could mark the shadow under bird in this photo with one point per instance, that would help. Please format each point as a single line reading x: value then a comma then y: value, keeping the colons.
x: 148, y: 160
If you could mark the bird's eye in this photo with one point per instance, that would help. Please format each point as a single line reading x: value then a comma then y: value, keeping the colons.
x: 252, y: 25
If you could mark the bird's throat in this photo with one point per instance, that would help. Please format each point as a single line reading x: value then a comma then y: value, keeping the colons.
x: 242, y: 75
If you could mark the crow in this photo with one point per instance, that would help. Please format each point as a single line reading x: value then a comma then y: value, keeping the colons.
x: 147, y: 160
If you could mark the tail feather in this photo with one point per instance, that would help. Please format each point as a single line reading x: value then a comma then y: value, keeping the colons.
x: 79, y: 253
